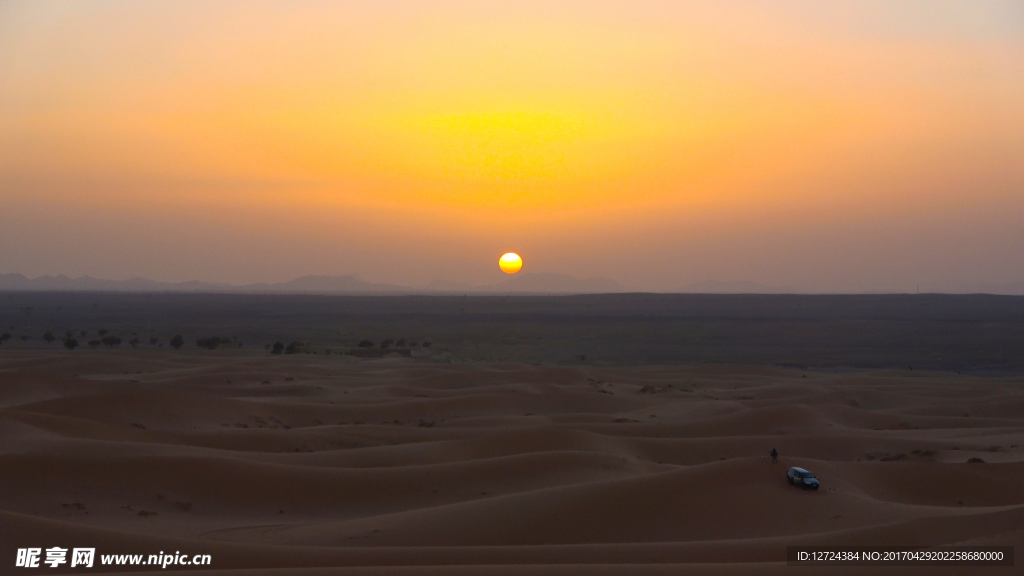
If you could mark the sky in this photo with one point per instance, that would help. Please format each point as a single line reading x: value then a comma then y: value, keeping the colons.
x: 825, y: 146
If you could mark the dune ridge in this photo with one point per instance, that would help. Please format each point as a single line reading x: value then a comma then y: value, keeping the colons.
x: 305, y: 465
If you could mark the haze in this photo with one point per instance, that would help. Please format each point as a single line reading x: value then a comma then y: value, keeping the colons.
x: 840, y: 146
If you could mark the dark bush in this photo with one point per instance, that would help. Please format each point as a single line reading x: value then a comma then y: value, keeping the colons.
x: 102, y: 332
x: 49, y: 337
x: 5, y: 337
x: 111, y: 341
x: 177, y: 342
x: 384, y: 344
x: 365, y: 344
x: 71, y: 343
x: 94, y: 343
x: 292, y: 347
x: 400, y: 343
x: 211, y: 343
x: 278, y: 348
x: 134, y: 342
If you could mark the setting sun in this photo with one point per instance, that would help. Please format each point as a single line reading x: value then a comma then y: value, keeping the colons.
x: 279, y: 214
x: 510, y: 263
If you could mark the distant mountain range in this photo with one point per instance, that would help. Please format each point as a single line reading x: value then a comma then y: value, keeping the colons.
x: 740, y: 287
x: 523, y: 283
x: 537, y: 282
x: 1013, y: 288
x: 735, y: 287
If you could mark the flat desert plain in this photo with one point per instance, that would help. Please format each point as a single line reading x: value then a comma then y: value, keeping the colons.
x: 311, y: 464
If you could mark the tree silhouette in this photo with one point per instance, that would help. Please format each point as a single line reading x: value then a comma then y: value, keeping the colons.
x: 49, y: 337
x: 111, y: 341
x: 177, y: 342
x: 71, y: 343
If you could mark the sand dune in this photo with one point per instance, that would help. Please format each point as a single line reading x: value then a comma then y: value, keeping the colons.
x: 309, y: 465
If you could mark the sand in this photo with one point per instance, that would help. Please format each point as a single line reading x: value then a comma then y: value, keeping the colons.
x: 312, y: 465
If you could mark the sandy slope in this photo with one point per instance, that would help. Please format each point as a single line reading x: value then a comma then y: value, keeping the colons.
x: 387, y: 467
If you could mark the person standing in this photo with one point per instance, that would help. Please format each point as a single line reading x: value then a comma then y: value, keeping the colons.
x: 775, y: 456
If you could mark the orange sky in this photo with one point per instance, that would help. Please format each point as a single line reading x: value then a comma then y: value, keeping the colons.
x: 837, y: 146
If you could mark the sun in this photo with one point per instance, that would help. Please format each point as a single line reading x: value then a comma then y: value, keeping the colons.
x: 510, y: 263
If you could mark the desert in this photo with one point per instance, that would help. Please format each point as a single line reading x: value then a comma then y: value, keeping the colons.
x: 511, y: 287
x: 441, y: 463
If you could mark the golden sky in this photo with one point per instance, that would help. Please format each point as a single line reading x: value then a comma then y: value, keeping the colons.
x: 834, y: 146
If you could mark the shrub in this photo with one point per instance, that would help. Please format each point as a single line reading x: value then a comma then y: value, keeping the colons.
x: 278, y: 348
x: 94, y: 343
x: 177, y: 342
x: 111, y: 341
x: 211, y: 343
x: 365, y: 344
x: 384, y: 344
x: 134, y: 342
x: 5, y: 337
x: 400, y: 343
x: 102, y: 332
x: 69, y: 334
x: 71, y: 343
x: 292, y: 347
x: 49, y: 337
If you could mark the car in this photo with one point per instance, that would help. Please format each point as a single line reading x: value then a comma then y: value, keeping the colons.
x: 803, y: 478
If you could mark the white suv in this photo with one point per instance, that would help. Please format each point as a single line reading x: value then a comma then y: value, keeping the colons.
x: 803, y: 478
